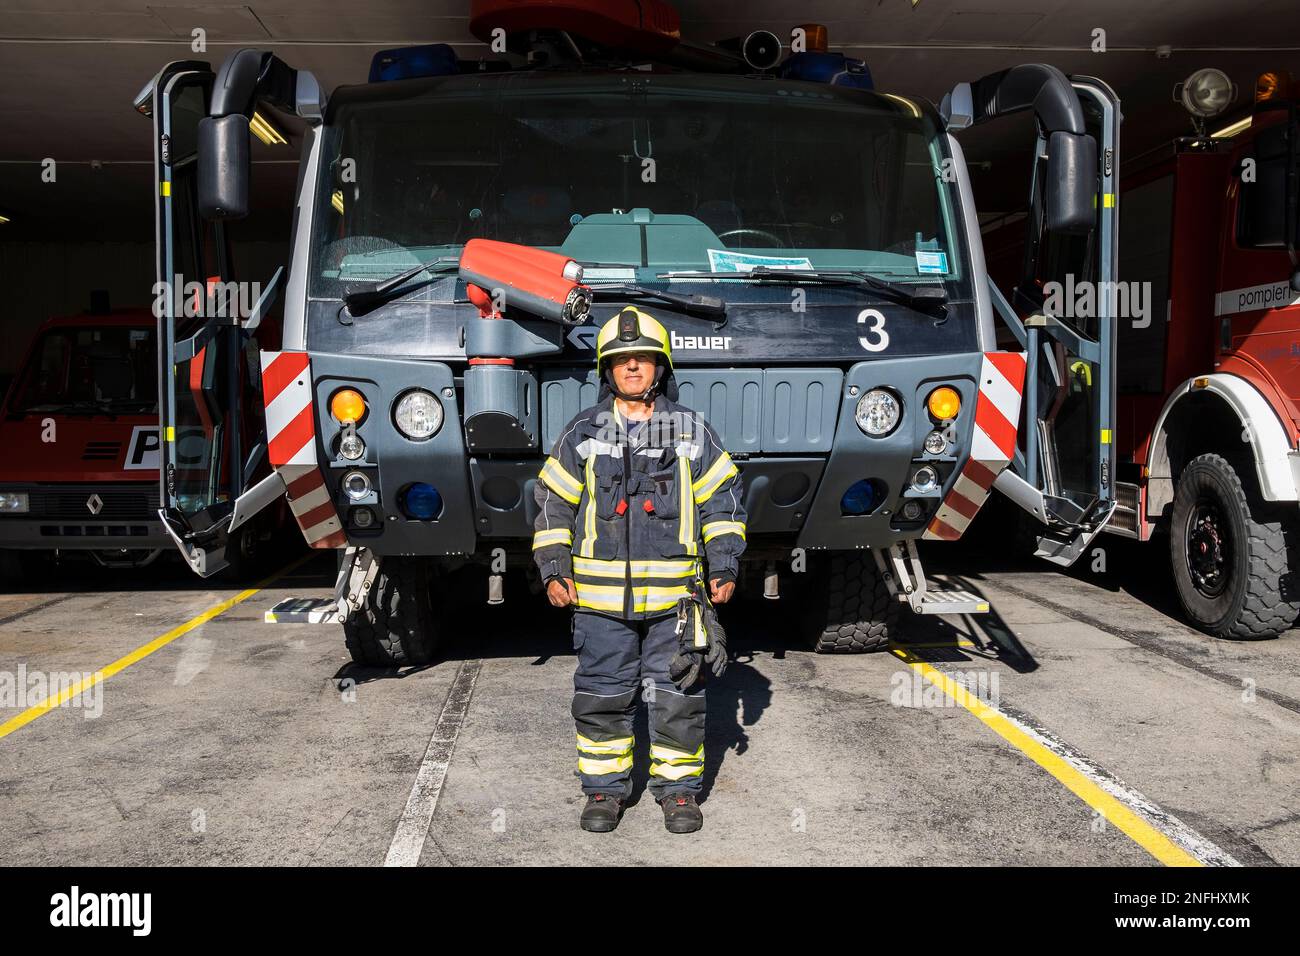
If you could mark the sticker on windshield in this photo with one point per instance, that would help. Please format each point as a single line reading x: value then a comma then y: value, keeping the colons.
x: 723, y: 260
x: 935, y: 263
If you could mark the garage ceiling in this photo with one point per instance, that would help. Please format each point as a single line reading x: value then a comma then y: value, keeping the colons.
x: 69, y: 70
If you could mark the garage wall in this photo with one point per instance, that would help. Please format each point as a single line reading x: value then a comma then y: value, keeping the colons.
x: 41, y: 279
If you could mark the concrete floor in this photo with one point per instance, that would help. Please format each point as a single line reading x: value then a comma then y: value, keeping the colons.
x: 240, y: 742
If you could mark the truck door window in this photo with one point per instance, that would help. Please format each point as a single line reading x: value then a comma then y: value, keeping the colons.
x: 1145, y: 246
x: 1261, y: 206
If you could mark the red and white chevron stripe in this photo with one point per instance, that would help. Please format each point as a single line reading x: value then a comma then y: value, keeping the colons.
x: 993, y: 444
x: 291, y: 446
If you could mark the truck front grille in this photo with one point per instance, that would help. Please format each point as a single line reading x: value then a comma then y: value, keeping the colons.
x: 117, y: 504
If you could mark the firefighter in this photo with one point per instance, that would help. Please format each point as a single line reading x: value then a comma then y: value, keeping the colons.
x: 639, y: 505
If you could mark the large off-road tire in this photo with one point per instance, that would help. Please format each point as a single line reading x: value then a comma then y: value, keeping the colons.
x: 851, y: 610
x: 395, y: 626
x: 1232, y: 556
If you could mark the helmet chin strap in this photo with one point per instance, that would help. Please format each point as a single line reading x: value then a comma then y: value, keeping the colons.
x: 644, y: 396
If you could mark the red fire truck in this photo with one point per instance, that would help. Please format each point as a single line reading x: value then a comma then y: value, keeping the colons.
x: 1208, y: 379
x: 80, y: 431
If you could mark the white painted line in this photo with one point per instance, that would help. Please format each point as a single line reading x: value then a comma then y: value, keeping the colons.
x: 413, y: 827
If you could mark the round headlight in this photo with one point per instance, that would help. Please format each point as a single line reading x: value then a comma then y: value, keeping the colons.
x: 878, y: 412
x: 418, y: 414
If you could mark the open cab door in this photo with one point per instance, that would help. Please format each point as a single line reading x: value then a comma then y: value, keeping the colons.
x: 1062, y: 310
x: 208, y: 459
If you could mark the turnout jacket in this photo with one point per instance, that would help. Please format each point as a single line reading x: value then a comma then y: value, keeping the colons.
x: 630, y: 519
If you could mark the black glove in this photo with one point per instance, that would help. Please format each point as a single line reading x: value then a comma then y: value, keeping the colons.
x: 701, y: 640
x: 716, y: 655
x: 684, y: 669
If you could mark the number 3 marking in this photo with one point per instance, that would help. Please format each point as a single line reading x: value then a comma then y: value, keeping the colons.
x: 877, y: 326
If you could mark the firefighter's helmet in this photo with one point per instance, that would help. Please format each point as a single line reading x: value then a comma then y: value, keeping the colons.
x: 632, y: 331
x: 635, y: 331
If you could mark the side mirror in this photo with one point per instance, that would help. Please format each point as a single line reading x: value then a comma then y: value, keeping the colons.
x: 224, y: 165
x: 1071, y: 182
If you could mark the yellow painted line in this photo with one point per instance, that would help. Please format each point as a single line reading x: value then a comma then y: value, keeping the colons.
x: 1112, y: 810
x: 140, y: 653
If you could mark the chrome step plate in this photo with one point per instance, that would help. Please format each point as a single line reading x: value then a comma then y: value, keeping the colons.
x: 304, y: 611
x: 956, y: 601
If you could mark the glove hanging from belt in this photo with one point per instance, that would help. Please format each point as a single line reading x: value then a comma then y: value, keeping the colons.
x: 700, y: 640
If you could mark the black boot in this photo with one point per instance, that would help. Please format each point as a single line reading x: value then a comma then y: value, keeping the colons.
x: 601, y: 813
x: 681, y: 813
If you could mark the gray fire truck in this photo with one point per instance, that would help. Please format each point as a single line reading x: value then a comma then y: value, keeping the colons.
x: 811, y: 243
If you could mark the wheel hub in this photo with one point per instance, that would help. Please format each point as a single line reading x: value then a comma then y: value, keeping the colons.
x: 1207, y: 551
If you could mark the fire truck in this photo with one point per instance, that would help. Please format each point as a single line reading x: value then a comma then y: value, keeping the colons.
x: 1207, y: 382
x: 1208, y: 390
x: 462, y: 227
x: 80, y: 429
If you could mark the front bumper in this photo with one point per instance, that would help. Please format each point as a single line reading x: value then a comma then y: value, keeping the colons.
x: 64, y: 517
x: 791, y: 432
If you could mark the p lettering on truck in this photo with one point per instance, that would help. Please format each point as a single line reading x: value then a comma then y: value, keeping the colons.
x: 142, y: 453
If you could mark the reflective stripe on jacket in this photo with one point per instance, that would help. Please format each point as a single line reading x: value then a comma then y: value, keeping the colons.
x: 630, y: 519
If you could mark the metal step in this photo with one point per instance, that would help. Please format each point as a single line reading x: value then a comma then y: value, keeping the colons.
x: 1127, y: 501
x: 304, y: 611
x: 956, y: 601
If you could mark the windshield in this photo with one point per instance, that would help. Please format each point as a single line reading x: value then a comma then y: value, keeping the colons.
x: 111, y: 369
x: 641, y: 174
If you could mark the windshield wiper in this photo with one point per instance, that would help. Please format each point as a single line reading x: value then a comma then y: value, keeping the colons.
x: 917, y: 296
x: 367, y: 300
x: 706, y: 305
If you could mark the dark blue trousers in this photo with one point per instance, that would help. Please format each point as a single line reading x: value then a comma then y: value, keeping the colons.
x: 619, y: 663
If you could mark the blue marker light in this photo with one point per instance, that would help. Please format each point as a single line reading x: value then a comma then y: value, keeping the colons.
x: 422, y: 501
x: 861, y: 498
x: 407, y: 63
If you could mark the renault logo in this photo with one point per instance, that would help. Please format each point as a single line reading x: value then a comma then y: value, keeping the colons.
x: 95, y: 504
